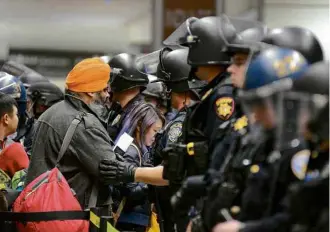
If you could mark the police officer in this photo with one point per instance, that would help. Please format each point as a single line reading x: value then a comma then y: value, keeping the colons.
x: 227, y: 178
x: 271, y: 174
x: 309, y: 199
x: 126, y: 84
x: 41, y: 96
x: 209, y: 64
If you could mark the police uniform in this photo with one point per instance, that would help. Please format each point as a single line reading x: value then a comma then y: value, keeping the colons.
x: 217, y: 106
x: 170, y: 134
x: 225, y: 179
x: 309, y: 199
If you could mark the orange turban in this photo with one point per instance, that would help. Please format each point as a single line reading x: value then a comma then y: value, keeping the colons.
x: 89, y: 75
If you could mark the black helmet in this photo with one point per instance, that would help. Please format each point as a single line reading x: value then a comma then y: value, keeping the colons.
x: 26, y: 75
x: 206, y: 45
x: 125, y: 74
x: 44, y: 94
x: 315, y: 82
x: 174, y: 71
x: 156, y: 90
x: 248, y: 39
x: 299, y: 39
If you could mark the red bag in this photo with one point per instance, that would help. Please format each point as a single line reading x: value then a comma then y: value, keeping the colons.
x: 51, y: 192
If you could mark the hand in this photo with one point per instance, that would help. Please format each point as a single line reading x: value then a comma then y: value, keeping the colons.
x: 189, y: 227
x: 229, y: 226
x: 114, y: 171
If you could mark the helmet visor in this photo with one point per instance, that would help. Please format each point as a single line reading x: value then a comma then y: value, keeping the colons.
x: 182, y: 35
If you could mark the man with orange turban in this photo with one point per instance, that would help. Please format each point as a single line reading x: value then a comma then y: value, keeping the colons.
x: 86, y: 88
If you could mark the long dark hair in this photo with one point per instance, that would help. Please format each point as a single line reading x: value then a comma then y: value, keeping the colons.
x: 143, y: 115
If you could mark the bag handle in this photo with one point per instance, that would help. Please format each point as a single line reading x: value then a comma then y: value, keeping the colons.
x: 68, y: 136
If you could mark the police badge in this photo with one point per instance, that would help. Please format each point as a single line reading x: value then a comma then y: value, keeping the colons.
x: 175, y: 132
x: 299, y: 163
x: 224, y: 107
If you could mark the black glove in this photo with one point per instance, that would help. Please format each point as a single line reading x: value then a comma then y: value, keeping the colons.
x: 138, y: 192
x: 115, y: 171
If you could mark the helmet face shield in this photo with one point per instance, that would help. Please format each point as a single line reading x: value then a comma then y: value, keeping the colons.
x: 149, y: 62
x: 260, y: 104
x: 10, y: 85
x: 182, y: 36
x: 276, y: 107
x: 115, y: 72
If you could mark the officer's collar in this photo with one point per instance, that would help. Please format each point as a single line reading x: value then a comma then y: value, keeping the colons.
x: 214, y: 82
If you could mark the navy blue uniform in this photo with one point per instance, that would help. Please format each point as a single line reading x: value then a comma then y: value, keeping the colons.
x: 263, y: 200
x: 202, y: 123
x: 170, y: 134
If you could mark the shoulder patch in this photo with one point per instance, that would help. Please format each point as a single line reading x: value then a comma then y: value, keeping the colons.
x: 175, y: 132
x: 241, y: 123
x: 224, y: 107
x: 299, y: 163
x: 116, y: 120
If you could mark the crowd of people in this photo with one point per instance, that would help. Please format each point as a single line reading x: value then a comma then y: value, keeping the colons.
x: 231, y: 136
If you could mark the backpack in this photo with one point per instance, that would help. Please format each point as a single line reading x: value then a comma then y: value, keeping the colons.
x: 50, y: 192
x: 18, y: 180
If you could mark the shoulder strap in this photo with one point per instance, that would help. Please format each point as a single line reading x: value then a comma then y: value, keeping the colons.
x: 138, y: 150
x: 68, y: 136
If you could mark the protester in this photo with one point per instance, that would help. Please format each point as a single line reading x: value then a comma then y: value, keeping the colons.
x: 144, y: 123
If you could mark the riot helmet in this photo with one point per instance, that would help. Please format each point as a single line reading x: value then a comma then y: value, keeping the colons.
x: 125, y: 73
x: 170, y: 66
x: 299, y: 39
x: 155, y: 93
x: 266, y: 96
x: 26, y: 75
x: 248, y: 38
x: 206, y: 45
x: 13, y: 87
x: 245, y: 45
x: 43, y: 95
x: 314, y: 85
